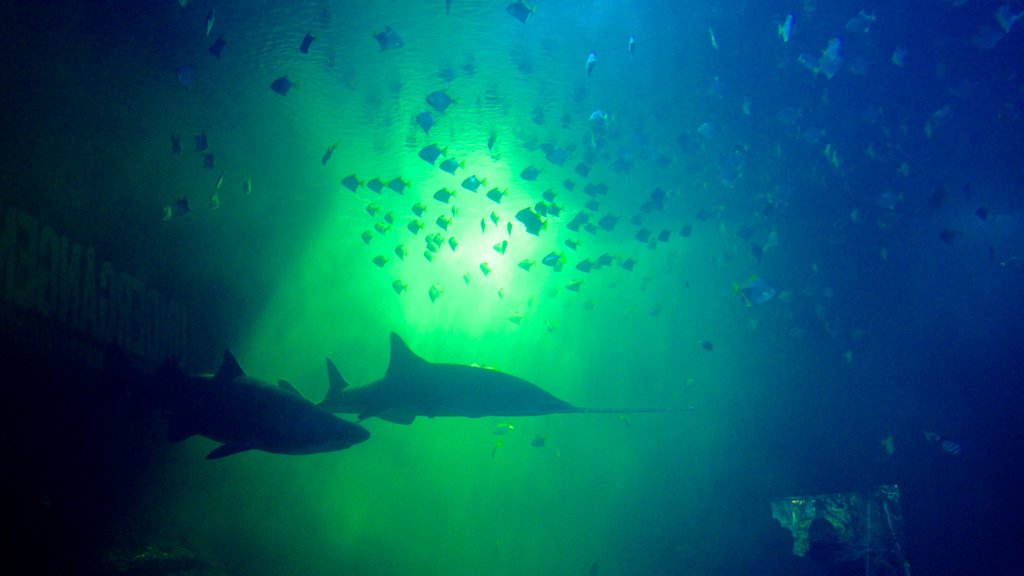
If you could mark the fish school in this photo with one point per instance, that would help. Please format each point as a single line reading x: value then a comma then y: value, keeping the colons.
x: 58, y: 295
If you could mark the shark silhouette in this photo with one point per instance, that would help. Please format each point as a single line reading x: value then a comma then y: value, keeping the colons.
x: 414, y: 387
x: 239, y: 411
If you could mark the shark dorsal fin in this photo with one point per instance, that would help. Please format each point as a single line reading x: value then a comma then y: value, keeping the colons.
x: 336, y: 385
x: 401, y: 356
x: 229, y: 368
x: 287, y: 387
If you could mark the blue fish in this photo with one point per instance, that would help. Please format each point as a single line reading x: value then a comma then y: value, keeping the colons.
x: 947, y: 445
x: 351, y: 182
x: 327, y: 155
x: 217, y: 47
x: 389, y: 40
x: 519, y: 10
x: 186, y: 75
x: 175, y: 144
x: 451, y: 165
x: 557, y: 155
x: 306, y: 41
x: 439, y: 100
x: 210, y: 17
x: 473, y: 183
x: 201, y: 143
x: 425, y: 121
x: 530, y: 173
x: 431, y: 152
x: 282, y: 85
x: 755, y: 291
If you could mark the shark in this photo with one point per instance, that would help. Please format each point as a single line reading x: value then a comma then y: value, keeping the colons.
x: 413, y: 386
x: 235, y: 409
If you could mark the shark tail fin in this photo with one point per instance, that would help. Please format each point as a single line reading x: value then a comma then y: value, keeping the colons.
x: 336, y: 385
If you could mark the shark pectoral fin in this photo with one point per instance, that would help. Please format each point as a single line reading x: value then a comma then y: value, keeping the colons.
x: 336, y: 385
x: 229, y: 368
x: 287, y: 387
x: 226, y: 450
x: 397, y: 417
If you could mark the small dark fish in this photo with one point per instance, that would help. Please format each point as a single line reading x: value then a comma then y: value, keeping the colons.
x: 578, y: 221
x: 568, y: 184
x: 376, y: 185
x: 530, y: 173
x: 541, y: 208
x: 519, y: 10
x: 593, y: 205
x: 435, y: 292
x: 686, y: 231
x: 539, y: 441
x: 632, y: 46
x: 948, y: 235
x: 591, y: 60
x: 629, y: 264
x: 400, y: 251
x: 664, y: 236
x: 282, y: 85
x: 595, y: 190
x: 443, y: 222
x: 372, y: 209
x: 180, y: 207
x: 583, y: 169
x: 186, y: 75
x: 608, y: 222
x: 366, y: 236
x: 217, y: 47
x: 637, y: 219
x: 175, y: 144
x: 327, y: 155
x: 447, y: 6
x: 950, y: 447
x: 380, y: 261
x: 531, y: 220
x: 389, y: 40
x: 210, y: 17
x: 603, y: 260
x: 526, y: 264
x: 491, y: 139
x: 439, y: 100
x: 549, y: 195
x: 643, y: 235
x: 415, y: 226
x: 306, y: 41
x: 398, y: 185
x: 757, y: 251
x: 554, y: 260
x: 208, y: 161
x: 707, y: 345
x: 443, y: 195
x: 398, y: 286
x: 473, y: 183
x: 351, y: 182
x: 425, y: 121
x: 982, y: 213
x: 495, y: 195
x: 451, y: 165
x: 500, y: 247
x: 585, y: 265
x: 418, y: 209
x: 453, y: 243
x: 557, y: 155
x: 201, y: 143
x: 574, y: 286
x: 431, y: 152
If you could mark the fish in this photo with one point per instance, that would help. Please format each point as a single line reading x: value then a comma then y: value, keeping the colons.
x: 554, y: 260
x: 351, y: 182
x: 211, y: 16
x: 500, y: 247
x: 366, y: 237
x: 380, y: 261
x: 415, y: 226
x: 372, y: 209
x: 425, y: 120
x: 531, y: 221
x: 217, y: 47
x: 526, y: 264
x: 282, y: 85
x: 947, y: 445
x: 388, y: 40
x: 186, y: 75
x: 574, y: 286
x: 1006, y: 18
x: 247, y: 186
x: 398, y: 286
x: 491, y: 139
x: 982, y: 213
x: 861, y: 23
x: 572, y: 243
x: 629, y: 264
x: 413, y: 386
x: 233, y: 408
x: 375, y: 184
x: 583, y: 169
x: 585, y: 265
x: 209, y: 162
x: 755, y: 291
x: 899, y: 55
x: 496, y: 195
x: 439, y: 100
x: 786, y: 28
x: 451, y: 165
x: 401, y: 252
x: 530, y: 173
x: 307, y: 40
x: 888, y: 445
x: 176, y: 144
x: 485, y: 268
x: 557, y: 155
x: 434, y: 292
x: 418, y: 209
x: 595, y: 189
x: 643, y: 235
x: 519, y: 10
x: 632, y: 46
x: 591, y: 60
x: 443, y: 222
x: 201, y: 143
x: 443, y: 195
x: 949, y: 235
x: 453, y: 243
x: 539, y: 441
x: 472, y: 183
x: 179, y: 207
x: 431, y: 152
x: 707, y: 345
x: 398, y: 185
x: 327, y: 155
x: 713, y: 38
x: 686, y: 231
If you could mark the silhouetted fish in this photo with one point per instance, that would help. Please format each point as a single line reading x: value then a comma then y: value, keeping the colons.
x: 439, y: 100
x: 473, y: 183
x: 389, y: 40
x: 519, y: 10
x: 557, y: 155
x: 398, y: 185
x: 306, y: 41
x: 186, y: 75
x: 282, y: 85
x: 351, y: 182
x: 327, y: 155
x: 201, y: 142
x: 531, y: 220
x: 443, y: 195
x: 530, y: 173
x: 431, y: 152
x: 217, y: 47
x: 175, y: 143
x: 495, y: 195
x: 450, y: 166
x: 425, y: 121
x: 179, y: 208
x: 375, y: 184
